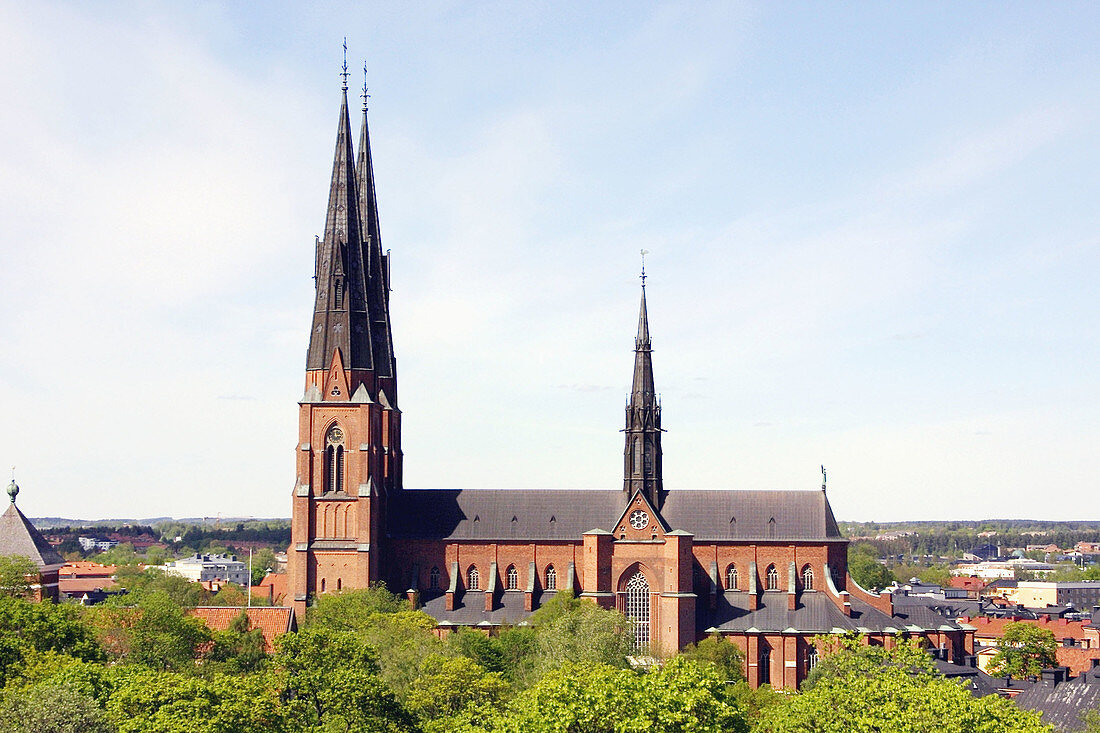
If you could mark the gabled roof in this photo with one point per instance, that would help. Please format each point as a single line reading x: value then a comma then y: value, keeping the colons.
x: 273, y: 621
x: 1063, y: 704
x: 566, y: 514
x: 19, y: 537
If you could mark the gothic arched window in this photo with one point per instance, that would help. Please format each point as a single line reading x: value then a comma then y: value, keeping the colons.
x: 731, y: 577
x: 511, y: 578
x: 771, y: 578
x: 433, y: 579
x: 811, y: 659
x: 765, y: 665
x: 807, y: 578
x: 637, y: 463
x: 637, y: 609
x: 551, y: 578
x: 472, y: 578
x: 334, y: 459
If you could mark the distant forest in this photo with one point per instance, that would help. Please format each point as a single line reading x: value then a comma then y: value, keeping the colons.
x: 952, y: 538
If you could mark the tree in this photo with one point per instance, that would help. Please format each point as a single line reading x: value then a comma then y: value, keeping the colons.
x: 263, y: 561
x: 682, y: 697
x: 163, y: 637
x: 240, y: 648
x: 898, y: 701
x: 568, y: 629
x: 18, y: 574
x: 330, y: 679
x: 144, y: 701
x: 723, y: 654
x: 866, y: 570
x: 448, y: 687
x: 50, y: 709
x: 27, y: 627
x: 1025, y: 650
x: 874, y: 689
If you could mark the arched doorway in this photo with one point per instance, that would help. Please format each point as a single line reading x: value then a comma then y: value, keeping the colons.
x: 637, y: 609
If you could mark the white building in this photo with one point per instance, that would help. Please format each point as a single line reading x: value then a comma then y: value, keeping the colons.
x: 201, y: 568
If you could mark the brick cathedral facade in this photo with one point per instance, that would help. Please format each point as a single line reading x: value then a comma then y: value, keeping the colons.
x: 765, y: 569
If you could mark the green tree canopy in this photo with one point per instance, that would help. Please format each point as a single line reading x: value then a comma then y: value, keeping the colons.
x: 50, y: 709
x: 18, y: 574
x: 1025, y: 650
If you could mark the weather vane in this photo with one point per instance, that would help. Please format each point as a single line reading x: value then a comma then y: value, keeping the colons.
x: 823, y: 477
x: 365, y: 95
x: 344, y: 73
x: 644, y: 253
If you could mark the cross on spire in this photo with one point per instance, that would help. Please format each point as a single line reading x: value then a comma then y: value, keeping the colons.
x: 366, y: 96
x: 344, y: 73
x: 644, y: 253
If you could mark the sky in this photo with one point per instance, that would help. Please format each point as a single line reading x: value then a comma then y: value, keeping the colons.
x: 873, y: 235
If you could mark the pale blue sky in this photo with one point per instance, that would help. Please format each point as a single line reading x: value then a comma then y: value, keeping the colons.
x: 873, y: 229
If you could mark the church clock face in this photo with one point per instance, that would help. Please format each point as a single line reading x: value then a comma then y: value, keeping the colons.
x: 639, y: 519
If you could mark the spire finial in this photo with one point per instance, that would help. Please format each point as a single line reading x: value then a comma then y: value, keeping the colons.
x: 644, y: 253
x: 823, y: 477
x: 13, y: 488
x: 344, y: 73
x: 365, y: 95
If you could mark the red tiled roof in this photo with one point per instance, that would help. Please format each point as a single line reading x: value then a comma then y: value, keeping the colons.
x: 995, y: 627
x: 83, y: 585
x: 273, y: 621
x: 958, y: 581
x: 86, y: 569
x: 277, y: 582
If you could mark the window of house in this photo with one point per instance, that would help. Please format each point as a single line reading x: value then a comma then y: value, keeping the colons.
x: 433, y: 579
x: 511, y: 578
x: 731, y: 577
x: 807, y: 578
x: 472, y: 578
x: 771, y: 578
x: 551, y: 578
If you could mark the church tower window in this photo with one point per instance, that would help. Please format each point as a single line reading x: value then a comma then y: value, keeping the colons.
x: 551, y: 578
x: 637, y: 454
x: 771, y: 578
x: 334, y: 460
x: 511, y: 578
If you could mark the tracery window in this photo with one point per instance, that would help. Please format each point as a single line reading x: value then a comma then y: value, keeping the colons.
x: 472, y: 578
x: 334, y: 459
x: 765, y: 666
x: 811, y: 659
x: 551, y: 578
x: 771, y: 578
x: 511, y: 578
x: 433, y: 579
x: 637, y: 609
x: 807, y: 578
x: 731, y: 577
x: 637, y: 463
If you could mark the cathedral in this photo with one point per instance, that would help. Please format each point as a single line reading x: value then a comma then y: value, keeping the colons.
x: 765, y: 569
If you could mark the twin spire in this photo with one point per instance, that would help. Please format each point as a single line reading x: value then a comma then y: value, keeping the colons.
x: 351, y: 309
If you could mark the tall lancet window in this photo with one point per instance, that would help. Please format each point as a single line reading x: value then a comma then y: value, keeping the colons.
x: 334, y: 459
x: 637, y: 609
x: 637, y: 464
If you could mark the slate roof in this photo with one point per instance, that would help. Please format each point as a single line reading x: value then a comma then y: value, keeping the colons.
x: 816, y: 614
x: 19, y: 537
x: 470, y: 608
x: 1063, y: 704
x: 566, y: 514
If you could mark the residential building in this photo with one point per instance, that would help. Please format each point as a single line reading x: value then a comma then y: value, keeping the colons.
x: 1037, y: 594
x: 208, y: 568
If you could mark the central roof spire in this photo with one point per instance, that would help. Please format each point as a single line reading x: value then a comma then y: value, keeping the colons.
x: 642, y: 453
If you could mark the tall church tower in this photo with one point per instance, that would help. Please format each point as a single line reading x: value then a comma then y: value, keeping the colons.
x: 642, y: 454
x: 349, y: 427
